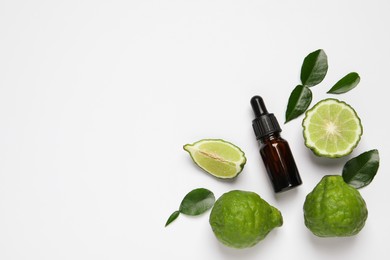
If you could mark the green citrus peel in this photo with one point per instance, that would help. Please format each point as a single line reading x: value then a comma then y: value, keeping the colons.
x: 241, y: 219
x: 334, y: 209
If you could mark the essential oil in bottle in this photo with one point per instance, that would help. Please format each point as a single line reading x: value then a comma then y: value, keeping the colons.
x: 275, y: 151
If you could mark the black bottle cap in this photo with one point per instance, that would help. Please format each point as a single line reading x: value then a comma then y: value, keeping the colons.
x: 264, y: 123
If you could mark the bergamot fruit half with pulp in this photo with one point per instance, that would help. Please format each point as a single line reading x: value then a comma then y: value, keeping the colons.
x: 218, y: 157
x: 241, y: 219
x: 334, y: 208
x: 332, y: 128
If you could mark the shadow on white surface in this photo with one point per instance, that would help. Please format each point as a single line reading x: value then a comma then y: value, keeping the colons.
x: 262, y: 248
x: 331, y: 245
x: 327, y: 162
x: 289, y: 195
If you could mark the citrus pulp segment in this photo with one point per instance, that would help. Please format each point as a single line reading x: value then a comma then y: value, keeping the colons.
x: 332, y: 128
x: 220, y: 158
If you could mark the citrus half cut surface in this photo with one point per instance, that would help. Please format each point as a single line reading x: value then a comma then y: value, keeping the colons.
x: 332, y: 128
x: 218, y: 157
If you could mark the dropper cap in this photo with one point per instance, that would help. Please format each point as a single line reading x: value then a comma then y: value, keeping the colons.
x: 264, y: 123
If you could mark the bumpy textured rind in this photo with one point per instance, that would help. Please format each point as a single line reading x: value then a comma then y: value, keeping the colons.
x: 334, y: 209
x: 241, y: 219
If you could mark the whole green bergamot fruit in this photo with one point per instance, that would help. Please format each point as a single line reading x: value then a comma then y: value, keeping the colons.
x: 241, y: 219
x: 334, y: 209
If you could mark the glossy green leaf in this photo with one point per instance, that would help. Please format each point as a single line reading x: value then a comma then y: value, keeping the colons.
x: 345, y: 84
x: 314, y: 68
x: 298, y: 102
x: 197, y: 202
x: 361, y: 170
x: 172, y: 217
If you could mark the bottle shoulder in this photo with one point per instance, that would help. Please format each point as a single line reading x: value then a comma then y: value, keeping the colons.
x: 273, y: 138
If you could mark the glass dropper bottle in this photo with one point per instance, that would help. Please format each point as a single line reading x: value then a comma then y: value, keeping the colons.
x: 275, y: 151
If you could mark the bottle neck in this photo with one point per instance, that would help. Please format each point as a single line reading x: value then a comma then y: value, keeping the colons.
x: 270, y: 137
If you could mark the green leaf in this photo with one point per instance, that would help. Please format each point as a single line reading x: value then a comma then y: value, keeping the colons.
x: 298, y: 102
x: 197, y: 202
x: 361, y: 170
x: 345, y: 84
x: 314, y: 68
x: 172, y: 217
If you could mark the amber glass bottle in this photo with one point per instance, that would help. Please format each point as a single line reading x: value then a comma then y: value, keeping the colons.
x: 275, y: 151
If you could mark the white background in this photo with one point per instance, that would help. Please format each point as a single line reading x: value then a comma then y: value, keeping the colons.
x: 97, y: 99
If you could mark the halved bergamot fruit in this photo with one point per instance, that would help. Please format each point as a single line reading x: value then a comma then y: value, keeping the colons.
x: 332, y: 128
x: 220, y: 158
